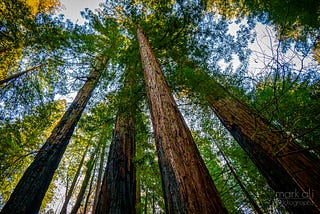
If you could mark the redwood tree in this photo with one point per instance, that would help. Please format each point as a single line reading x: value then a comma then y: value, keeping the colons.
x: 118, y: 190
x: 289, y: 169
x: 28, y: 194
x: 187, y: 185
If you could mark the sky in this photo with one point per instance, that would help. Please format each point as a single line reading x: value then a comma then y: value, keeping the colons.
x: 71, y: 8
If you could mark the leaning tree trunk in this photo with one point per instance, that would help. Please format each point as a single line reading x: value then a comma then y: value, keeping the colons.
x: 187, y: 184
x: 73, y: 184
x: 118, y: 190
x: 100, y: 171
x: 239, y: 182
x: 289, y: 169
x: 31, y: 189
x: 88, y: 199
x: 85, y: 182
x: 16, y: 76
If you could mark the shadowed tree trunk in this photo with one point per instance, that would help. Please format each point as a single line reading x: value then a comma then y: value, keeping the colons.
x: 73, y: 184
x: 100, y: 171
x: 138, y: 196
x: 291, y: 171
x: 88, y: 201
x: 118, y: 190
x: 85, y: 182
x: 186, y: 182
x: 146, y: 202
x: 31, y: 189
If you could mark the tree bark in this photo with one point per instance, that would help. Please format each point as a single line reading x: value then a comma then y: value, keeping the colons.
x: 29, y: 193
x: 118, y: 190
x: 293, y: 175
x: 186, y: 182
x: 73, y: 184
x: 85, y: 182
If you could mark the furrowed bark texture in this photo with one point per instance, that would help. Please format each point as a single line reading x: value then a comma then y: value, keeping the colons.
x: 291, y: 171
x: 187, y: 185
x: 294, y: 176
x: 29, y: 193
x: 118, y: 190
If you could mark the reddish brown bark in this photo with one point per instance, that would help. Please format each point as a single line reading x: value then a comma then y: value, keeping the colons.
x: 187, y: 184
x: 29, y: 193
x: 293, y: 175
x: 118, y: 190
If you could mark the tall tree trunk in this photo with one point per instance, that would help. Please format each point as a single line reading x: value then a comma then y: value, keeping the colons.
x: 146, y: 202
x: 86, y: 204
x: 73, y: 184
x: 118, y: 190
x: 292, y: 172
x: 67, y: 185
x: 187, y: 184
x: 153, y: 204
x: 85, y: 182
x: 29, y: 193
x: 243, y: 188
x: 98, y: 183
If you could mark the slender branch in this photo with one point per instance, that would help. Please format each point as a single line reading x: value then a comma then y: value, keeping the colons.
x: 15, y: 76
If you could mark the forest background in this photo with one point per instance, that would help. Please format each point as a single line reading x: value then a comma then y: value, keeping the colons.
x: 265, y: 54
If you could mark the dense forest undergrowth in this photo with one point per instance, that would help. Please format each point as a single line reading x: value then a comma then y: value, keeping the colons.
x: 160, y: 107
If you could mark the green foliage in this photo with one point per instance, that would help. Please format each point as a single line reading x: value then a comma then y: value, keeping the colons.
x: 147, y: 169
x: 292, y: 18
x: 293, y: 105
x: 15, y: 18
x: 20, y: 30
x: 40, y: 44
x: 295, y: 19
x: 20, y: 141
x: 189, y: 44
